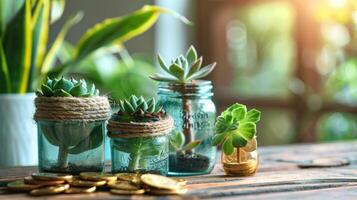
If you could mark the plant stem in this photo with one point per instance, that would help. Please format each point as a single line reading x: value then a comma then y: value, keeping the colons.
x: 134, y: 163
x: 187, y: 120
x: 238, y: 155
x: 62, y: 159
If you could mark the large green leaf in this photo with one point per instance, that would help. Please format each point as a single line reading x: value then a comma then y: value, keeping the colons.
x: 40, y: 25
x: 56, y: 46
x: 17, y: 46
x: 8, y: 10
x: 114, y: 31
x: 5, y: 87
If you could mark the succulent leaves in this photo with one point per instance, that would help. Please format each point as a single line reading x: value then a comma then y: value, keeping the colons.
x: 177, y: 141
x: 138, y: 109
x: 235, y: 127
x: 183, y: 69
x: 67, y: 88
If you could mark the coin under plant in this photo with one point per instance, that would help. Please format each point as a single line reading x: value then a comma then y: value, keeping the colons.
x: 21, y: 186
x: 51, y: 176
x: 168, y: 192
x: 132, y: 177
x: 122, y: 185
x: 97, y: 176
x: 32, y: 181
x: 49, y: 190
x: 85, y: 183
x: 80, y: 190
x: 160, y: 182
x: 127, y: 192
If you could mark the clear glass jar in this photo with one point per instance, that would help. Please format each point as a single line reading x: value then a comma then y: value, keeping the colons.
x: 140, y: 154
x: 71, y: 146
x: 243, y: 161
x: 194, y: 113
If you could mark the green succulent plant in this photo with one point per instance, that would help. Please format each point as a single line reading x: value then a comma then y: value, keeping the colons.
x: 183, y: 69
x: 138, y: 109
x: 177, y: 143
x: 71, y: 137
x: 235, y: 127
x: 67, y: 88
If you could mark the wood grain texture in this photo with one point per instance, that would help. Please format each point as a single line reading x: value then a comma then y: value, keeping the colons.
x: 278, y: 177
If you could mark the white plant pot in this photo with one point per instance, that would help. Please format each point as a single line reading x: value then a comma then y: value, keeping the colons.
x: 18, y: 135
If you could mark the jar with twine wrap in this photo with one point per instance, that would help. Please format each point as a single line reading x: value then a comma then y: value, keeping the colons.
x: 71, y: 133
x: 140, y: 146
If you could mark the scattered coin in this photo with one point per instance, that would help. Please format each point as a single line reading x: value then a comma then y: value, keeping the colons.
x: 160, y: 182
x: 122, y: 185
x: 168, y: 192
x: 132, y: 177
x: 181, y: 181
x: 32, y: 181
x: 97, y: 176
x: 21, y: 186
x: 78, y: 190
x: 127, y: 192
x: 49, y: 190
x: 51, y: 176
x: 85, y: 183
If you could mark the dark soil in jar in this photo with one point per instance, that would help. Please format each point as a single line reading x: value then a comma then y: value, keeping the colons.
x: 188, y: 162
x: 73, y: 169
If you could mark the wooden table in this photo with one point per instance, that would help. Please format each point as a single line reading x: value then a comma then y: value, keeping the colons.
x: 278, y: 177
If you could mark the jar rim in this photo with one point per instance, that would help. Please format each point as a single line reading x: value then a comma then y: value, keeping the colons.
x: 194, y: 88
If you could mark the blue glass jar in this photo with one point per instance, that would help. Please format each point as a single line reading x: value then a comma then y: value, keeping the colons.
x: 194, y: 113
x: 140, y: 146
x: 71, y: 146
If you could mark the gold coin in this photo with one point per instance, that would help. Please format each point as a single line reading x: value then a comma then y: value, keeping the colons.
x: 49, y: 190
x: 21, y: 186
x: 122, y: 185
x: 251, y: 145
x: 97, y: 176
x: 127, y: 192
x: 132, y: 177
x: 160, y: 182
x: 167, y: 192
x: 181, y: 181
x: 32, y: 181
x: 84, y: 183
x: 78, y: 190
x: 51, y: 176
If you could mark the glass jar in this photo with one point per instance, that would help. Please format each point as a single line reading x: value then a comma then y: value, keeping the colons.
x: 243, y: 162
x: 71, y: 146
x: 194, y: 113
x: 140, y: 154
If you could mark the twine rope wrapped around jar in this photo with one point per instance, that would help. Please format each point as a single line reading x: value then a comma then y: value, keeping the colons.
x: 139, y: 129
x: 86, y: 109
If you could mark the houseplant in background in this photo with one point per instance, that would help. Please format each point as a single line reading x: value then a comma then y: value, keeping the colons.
x: 71, y: 118
x: 139, y: 137
x: 236, y: 131
x: 25, y: 62
x: 188, y: 101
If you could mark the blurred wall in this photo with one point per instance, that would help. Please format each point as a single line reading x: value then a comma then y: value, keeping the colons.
x: 96, y: 11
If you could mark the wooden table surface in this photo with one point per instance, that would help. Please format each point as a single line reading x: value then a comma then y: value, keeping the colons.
x: 278, y: 177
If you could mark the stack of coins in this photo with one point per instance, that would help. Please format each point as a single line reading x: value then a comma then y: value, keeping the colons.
x: 87, y: 182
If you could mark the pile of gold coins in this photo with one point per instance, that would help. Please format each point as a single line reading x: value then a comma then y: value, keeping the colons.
x: 88, y: 182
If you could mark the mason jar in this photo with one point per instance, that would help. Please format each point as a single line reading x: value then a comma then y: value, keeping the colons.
x: 140, y: 154
x: 243, y: 161
x: 71, y: 146
x: 194, y: 113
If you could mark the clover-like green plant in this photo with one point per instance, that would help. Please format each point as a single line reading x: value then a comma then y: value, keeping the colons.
x: 183, y: 69
x: 177, y: 143
x: 71, y: 137
x: 138, y: 109
x: 67, y: 88
x: 235, y: 127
